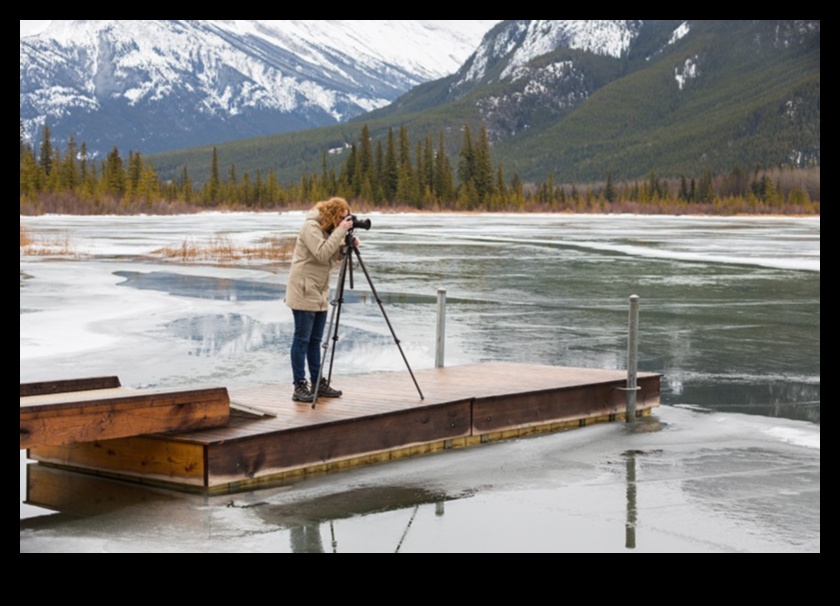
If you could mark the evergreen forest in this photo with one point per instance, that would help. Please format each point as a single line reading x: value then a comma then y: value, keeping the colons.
x: 397, y: 173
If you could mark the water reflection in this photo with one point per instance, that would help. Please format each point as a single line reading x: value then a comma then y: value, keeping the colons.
x: 99, y: 507
x: 201, y: 287
x: 306, y: 538
x: 66, y: 498
x: 307, y: 520
x: 228, y: 289
x: 228, y: 334
x: 630, y: 522
x: 60, y: 496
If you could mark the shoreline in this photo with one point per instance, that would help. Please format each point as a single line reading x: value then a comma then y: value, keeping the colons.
x: 417, y: 211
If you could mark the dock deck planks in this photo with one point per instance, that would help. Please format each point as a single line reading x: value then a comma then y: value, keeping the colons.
x: 379, y: 417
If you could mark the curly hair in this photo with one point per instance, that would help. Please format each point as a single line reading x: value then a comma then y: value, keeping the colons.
x: 331, y: 211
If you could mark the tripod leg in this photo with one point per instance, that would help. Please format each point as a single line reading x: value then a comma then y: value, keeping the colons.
x: 334, y: 315
x: 387, y: 321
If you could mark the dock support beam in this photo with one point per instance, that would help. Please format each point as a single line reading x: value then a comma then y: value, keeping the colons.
x: 632, y: 358
x: 441, y: 327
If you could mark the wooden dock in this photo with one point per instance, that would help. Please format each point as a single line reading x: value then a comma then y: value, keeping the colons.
x: 270, y: 438
x: 57, y: 413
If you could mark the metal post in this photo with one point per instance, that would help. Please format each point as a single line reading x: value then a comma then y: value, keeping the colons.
x: 632, y: 358
x: 441, y: 327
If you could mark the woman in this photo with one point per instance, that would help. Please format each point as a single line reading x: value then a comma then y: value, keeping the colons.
x: 318, y: 247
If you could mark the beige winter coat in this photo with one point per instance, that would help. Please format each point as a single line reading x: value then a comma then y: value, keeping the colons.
x: 316, y: 251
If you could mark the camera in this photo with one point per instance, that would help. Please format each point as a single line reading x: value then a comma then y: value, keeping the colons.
x: 360, y: 223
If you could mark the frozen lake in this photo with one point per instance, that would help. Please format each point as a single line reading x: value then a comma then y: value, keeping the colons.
x: 730, y: 314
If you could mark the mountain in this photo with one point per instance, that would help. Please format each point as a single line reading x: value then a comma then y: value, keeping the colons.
x: 582, y: 99
x: 158, y: 85
x: 574, y: 100
x: 579, y: 101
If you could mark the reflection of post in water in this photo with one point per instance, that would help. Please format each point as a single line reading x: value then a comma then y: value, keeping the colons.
x: 439, y: 511
x: 630, y: 524
x: 405, y: 532
x: 306, y: 538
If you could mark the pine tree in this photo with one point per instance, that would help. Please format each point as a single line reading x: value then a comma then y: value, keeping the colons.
x: 259, y: 189
x: 654, y: 187
x: 135, y: 171
x: 30, y: 175
x: 407, y: 190
x: 517, y: 191
x: 186, y: 185
x: 547, y: 193
x: 466, y: 163
x: 246, y: 191
x: 428, y: 173
x: 87, y: 175
x: 467, y: 197
x: 69, y: 176
x: 46, y: 157
x: 392, y: 170
x: 737, y: 182
x: 406, y: 184
x: 684, y: 193
x: 609, y: 189
x: 378, y: 174
x: 405, y: 147
x: 348, y: 176
x: 483, y: 168
x: 231, y: 187
x: 501, y: 193
x: 443, y: 186
x: 272, y: 188
x: 705, y: 192
x: 365, y: 155
x: 113, y: 175
x: 148, y: 185
x: 53, y: 179
x: 211, y: 195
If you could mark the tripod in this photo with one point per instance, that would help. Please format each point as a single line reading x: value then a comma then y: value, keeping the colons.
x: 349, y: 249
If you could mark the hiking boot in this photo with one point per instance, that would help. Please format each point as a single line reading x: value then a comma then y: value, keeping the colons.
x: 302, y: 392
x: 325, y: 390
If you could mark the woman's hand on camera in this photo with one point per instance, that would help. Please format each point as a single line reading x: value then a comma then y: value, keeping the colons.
x: 347, y: 223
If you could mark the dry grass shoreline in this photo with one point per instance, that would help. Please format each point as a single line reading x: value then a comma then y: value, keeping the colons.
x: 218, y: 248
x: 221, y: 248
x: 30, y: 245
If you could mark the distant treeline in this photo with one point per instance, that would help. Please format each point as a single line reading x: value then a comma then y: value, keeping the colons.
x: 396, y: 174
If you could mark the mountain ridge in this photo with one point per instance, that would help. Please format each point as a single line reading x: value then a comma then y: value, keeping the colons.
x: 167, y: 84
x: 607, y: 98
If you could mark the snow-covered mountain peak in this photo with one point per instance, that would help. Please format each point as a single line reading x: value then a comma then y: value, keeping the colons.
x: 523, y: 40
x: 160, y: 84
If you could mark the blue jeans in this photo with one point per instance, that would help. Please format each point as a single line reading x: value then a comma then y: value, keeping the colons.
x: 306, y: 344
